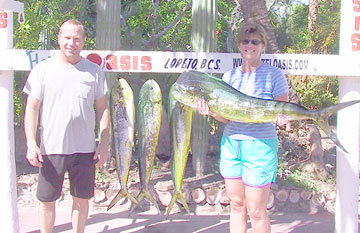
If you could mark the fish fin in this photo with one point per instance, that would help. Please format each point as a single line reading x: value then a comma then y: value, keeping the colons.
x: 170, y: 206
x: 140, y: 197
x: 321, y: 117
x: 183, y: 202
x: 324, y: 125
x: 131, y: 198
x: 177, y: 195
x: 118, y: 196
x: 148, y: 196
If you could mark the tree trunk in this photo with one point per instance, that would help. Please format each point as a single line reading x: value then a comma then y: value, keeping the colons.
x: 271, y: 201
x: 294, y: 196
x: 313, y: 10
x: 203, y: 39
x: 164, y: 198
x: 198, y: 195
x: 256, y: 10
x: 212, y: 195
x: 223, y: 197
x: 282, y: 195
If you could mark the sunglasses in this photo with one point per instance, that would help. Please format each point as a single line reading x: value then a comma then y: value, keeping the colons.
x: 254, y: 42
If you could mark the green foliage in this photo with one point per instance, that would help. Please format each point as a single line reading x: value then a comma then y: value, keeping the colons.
x: 43, y: 19
x: 19, y: 98
x: 299, y: 177
x: 142, y: 21
x: 226, y: 8
x: 316, y: 92
x: 292, y: 31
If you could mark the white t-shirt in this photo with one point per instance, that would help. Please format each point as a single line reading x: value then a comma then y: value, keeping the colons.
x: 67, y: 94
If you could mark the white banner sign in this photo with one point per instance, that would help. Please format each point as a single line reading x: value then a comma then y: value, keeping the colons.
x: 178, y: 62
x: 350, y: 27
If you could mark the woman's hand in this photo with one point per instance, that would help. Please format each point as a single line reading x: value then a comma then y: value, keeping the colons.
x: 202, y: 107
x: 281, y: 120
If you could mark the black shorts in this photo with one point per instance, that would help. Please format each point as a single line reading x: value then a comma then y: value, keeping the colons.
x: 81, y: 168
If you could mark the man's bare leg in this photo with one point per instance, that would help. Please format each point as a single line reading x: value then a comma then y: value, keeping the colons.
x: 79, y: 215
x: 47, y: 216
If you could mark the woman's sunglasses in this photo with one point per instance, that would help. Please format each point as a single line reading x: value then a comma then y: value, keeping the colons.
x: 254, y: 42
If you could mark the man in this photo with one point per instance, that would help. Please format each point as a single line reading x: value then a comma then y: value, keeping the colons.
x: 62, y: 90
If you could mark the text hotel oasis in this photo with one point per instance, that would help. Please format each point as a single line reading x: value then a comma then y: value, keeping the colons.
x: 355, y: 36
x: 178, y: 62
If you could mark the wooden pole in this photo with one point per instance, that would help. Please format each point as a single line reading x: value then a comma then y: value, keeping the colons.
x: 203, y: 39
x: 8, y: 195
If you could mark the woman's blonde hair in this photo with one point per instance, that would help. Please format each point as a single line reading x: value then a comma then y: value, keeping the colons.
x: 251, y: 28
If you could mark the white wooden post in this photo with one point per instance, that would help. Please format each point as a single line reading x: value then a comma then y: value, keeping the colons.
x: 348, y: 125
x: 8, y: 195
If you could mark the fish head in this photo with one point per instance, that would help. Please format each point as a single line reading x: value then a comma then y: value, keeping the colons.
x: 185, y: 94
x: 193, y: 85
x: 121, y: 92
x: 151, y: 90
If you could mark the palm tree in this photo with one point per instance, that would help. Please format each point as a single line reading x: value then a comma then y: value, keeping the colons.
x: 256, y: 10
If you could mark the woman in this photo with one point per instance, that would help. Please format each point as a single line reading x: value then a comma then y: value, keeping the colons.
x: 248, y: 153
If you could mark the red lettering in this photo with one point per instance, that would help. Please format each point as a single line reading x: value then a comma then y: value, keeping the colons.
x: 356, y: 5
x: 357, y: 22
x: 135, y: 63
x: 94, y: 57
x: 146, y: 63
x: 111, y: 62
x: 355, y: 40
x: 125, y: 62
x: 3, y: 19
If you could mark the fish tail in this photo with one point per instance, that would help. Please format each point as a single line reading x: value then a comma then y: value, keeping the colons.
x: 177, y: 195
x: 140, y: 197
x: 120, y: 195
x: 131, y: 198
x: 152, y: 200
x: 146, y: 194
x: 321, y: 117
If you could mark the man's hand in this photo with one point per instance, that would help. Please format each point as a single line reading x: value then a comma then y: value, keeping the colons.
x: 102, y: 154
x: 33, y: 155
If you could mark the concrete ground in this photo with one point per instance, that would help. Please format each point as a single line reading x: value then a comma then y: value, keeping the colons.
x: 204, y: 220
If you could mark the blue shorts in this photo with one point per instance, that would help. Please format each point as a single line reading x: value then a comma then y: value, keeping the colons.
x: 253, y: 161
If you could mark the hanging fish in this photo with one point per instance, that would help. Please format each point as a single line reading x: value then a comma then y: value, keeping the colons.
x: 180, y: 118
x: 122, y: 124
x: 149, y: 122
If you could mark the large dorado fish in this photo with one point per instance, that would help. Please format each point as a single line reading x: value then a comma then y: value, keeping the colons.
x: 231, y: 104
x: 149, y: 123
x: 180, y: 118
x: 122, y: 124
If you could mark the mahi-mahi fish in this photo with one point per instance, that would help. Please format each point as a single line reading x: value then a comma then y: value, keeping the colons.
x: 231, y: 104
x: 122, y: 124
x: 180, y: 118
x: 149, y: 114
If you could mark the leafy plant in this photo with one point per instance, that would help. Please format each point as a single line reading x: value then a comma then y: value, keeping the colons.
x: 316, y: 92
